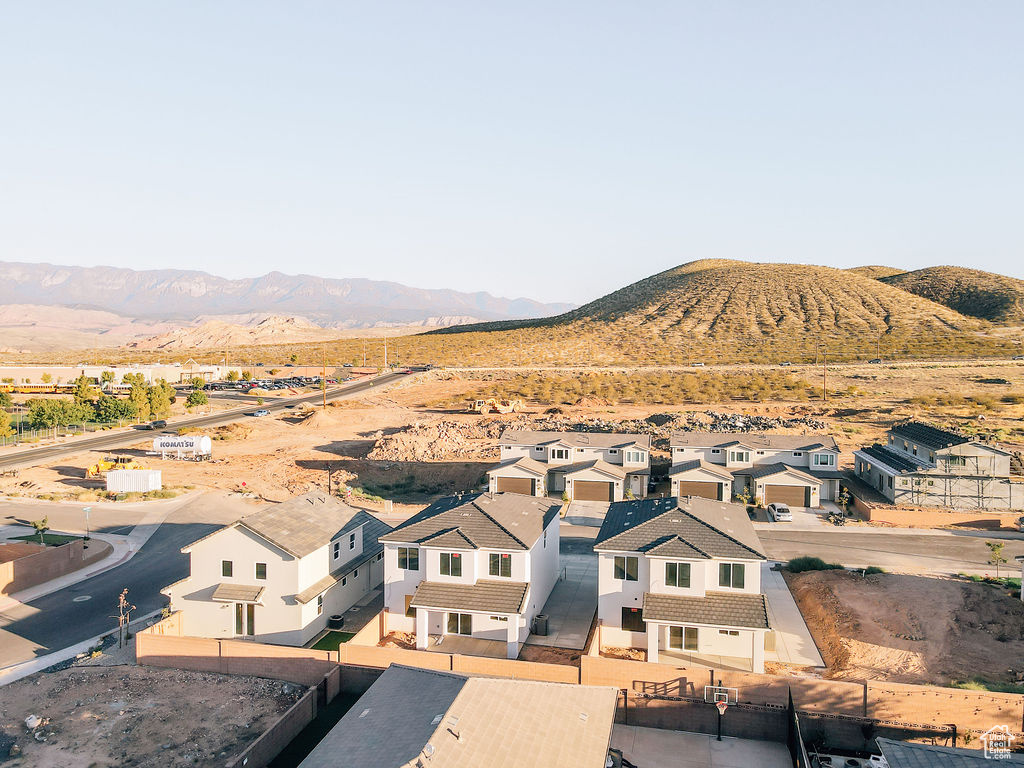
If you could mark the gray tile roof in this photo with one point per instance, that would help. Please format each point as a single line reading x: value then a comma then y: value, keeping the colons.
x: 479, y: 520
x: 236, y: 593
x: 714, y: 528
x: 301, y: 525
x: 901, y: 462
x: 927, y: 435
x: 904, y: 754
x: 715, y: 608
x: 688, y: 466
x: 372, y: 529
x: 675, y: 547
x: 482, y: 597
x: 825, y: 474
x: 767, y: 470
x: 576, y: 439
x: 523, y: 462
x: 751, y: 440
x: 596, y: 464
x: 462, y: 722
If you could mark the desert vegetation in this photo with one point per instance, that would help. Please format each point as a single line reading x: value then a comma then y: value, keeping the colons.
x: 971, y: 292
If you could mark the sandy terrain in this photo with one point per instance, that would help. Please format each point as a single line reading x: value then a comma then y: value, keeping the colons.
x: 911, y: 629
x: 140, y: 716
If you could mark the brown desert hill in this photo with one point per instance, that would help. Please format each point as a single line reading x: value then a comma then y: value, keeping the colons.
x: 992, y: 297
x: 733, y: 300
x: 876, y: 271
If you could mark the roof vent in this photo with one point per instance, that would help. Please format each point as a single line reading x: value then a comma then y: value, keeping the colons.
x: 428, y: 749
x: 583, y: 716
x: 437, y: 719
x: 364, y: 713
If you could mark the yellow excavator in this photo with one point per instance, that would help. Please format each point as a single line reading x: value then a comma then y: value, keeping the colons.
x: 100, y: 468
x: 496, y: 405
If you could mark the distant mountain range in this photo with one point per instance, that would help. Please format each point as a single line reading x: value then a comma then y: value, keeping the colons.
x: 182, y: 295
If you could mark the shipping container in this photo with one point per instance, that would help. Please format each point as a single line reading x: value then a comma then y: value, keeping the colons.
x: 133, y: 480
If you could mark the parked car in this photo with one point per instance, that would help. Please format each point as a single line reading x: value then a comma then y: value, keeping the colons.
x: 158, y: 424
x: 875, y: 361
x: 780, y: 513
x: 1017, y: 357
x: 785, y: 364
x: 346, y: 365
x: 1020, y: 524
x: 698, y: 365
x: 262, y: 412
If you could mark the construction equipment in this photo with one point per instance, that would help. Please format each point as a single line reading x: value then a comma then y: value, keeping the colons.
x: 100, y: 468
x: 495, y: 404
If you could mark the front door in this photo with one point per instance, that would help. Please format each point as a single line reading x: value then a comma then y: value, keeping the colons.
x: 682, y: 638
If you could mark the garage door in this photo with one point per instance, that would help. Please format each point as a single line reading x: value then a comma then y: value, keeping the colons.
x: 592, y: 490
x: 701, y: 489
x: 794, y: 495
x: 522, y: 485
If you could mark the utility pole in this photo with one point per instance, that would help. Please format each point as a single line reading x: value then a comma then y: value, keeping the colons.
x: 824, y: 375
x: 364, y: 353
x: 323, y: 387
x: 385, y: 352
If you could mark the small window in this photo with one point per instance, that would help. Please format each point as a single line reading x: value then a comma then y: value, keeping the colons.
x: 355, y: 574
x: 460, y: 624
x: 451, y: 564
x: 889, y: 479
x: 613, y: 451
x: 344, y: 580
x: 380, y: 556
x: 499, y: 564
x: 716, y: 450
x: 319, y: 604
x: 498, y: 618
x: 797, y: 454
x: 760, y: 453
x: 677, y: 575
x: 626, y: 568
x: 729, y: 632
x: 633, y: 620
x: 337, y: 549
x: 227, y: 568
x: 409, y: 558
x: 545, y: 538
x: 352, y: 541
x: 731, y: 575
x: 261, y: 571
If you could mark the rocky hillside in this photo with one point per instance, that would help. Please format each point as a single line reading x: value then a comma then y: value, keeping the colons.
x: 972, y: 292
x: 876, y: 271
x: 220, y: 334
x: 183, y: 295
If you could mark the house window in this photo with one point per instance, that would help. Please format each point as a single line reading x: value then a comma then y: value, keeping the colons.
x: 614, y: 451
x: 498, y: 618
x: 344, y: 580
x: 261, y: 571
x: 409, y: 558
x: 889, y: 479
x: 682, y: 638
x: 823, y: 459
x: 352, y: 541
x: 227, y: 568
x: 677, y: 575
x: 451, y: 564
x: 380, y: 556
x: 559, y: 453
x: 956, y: 461
x: 633, y: 620
x: 319, y: 604
x: 460, y: 624
x: 626, y: 568
x: 760, y: 453
x: 500, y: 564
x: 716, y: 450
x: 797, y: 454
x: 634, y: 457
x: 545, y: 538
x: 337, y: 549
x: 729, y: 632
x: 730, y: 575
x: 740, y: 456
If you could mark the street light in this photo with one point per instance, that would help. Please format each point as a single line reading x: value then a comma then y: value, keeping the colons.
x: 87, y: 510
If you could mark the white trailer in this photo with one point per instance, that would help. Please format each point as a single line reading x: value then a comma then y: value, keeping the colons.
x: 191, y: 447
x: 134, y: 480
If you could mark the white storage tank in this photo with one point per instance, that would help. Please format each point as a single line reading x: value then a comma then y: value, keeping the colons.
x: 183, y: 446
x: 134, y: 480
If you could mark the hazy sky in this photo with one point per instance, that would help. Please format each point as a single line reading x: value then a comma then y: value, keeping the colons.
x: 556, y: 150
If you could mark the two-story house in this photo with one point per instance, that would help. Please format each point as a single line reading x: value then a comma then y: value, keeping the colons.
x: 479, y: 565
x: 925, y: 465
x: 277, y: 575
x: 682, y: 578
x: 799, y: 470
x: 586, y: 466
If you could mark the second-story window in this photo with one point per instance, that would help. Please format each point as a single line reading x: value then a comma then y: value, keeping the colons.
x: 731, y: 575
x: 337, y: 549
x: 409, y: 558
x: 451, y: 564
x: 823, y: 459
x: 261, y: 571
x: 634, y: 457
x: 352, y: 541
x: 677, y: 575
x: 740, y: 456
x: 626, y: 568
x: 227, y: 568
x: 559, y: 453
x: 499, y: 564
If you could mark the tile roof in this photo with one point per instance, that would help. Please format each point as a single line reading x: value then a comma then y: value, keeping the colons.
x: 715, y: 608
x: 825, y: 474
x: 595, y: 464
x: 236, y: 593
x: 482, y: 597
x: 689, y: 466
x: 904, y: 754
x: 675, y: 547
x: 463, y: 722
x: 372, y: 529
x: 480, y: 520
x: 768, y: 470
x: 751, y: 440
x: 927, y: 435
x: 901, y: 462
x: 301, y: 525
x: 576, y: 439
x: 714, y: 528
x: 523, y: 462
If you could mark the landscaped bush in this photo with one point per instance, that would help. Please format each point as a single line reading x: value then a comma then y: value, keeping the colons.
x: 873, y: 569
x: 807, y: 563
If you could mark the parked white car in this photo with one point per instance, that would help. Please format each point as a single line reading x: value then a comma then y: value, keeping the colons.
x: 780, y: 513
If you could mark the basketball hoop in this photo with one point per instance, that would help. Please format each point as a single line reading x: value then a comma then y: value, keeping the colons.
x: 722, y: 706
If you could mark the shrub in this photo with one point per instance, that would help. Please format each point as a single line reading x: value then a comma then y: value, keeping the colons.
x: 873, y: 569
x: 807, y: 563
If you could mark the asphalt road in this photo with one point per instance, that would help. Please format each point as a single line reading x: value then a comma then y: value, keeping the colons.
x: 119, y: 439
x: 937, y: 552
x: 86, y: 609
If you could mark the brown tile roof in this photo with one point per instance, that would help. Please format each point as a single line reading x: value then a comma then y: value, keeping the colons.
x: 770, y: 470
x: 724, y: 609
x: 236, y: 593
x: 576, y: 439
x: 689, y: 466
x: 751, y: 440
x: 481, y: 597
x: 301, y: 525
x: 372, y: 529
x: 479, y: 520
x: 595, y: 464
x: 714, y: 528
x: 523, y: 462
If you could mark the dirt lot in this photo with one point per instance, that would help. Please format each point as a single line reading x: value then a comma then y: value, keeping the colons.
x: 911, y: 629
x: 139, y: 716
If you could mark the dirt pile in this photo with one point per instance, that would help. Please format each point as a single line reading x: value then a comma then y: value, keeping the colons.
x: 320, y: 418
x: 440, y: 440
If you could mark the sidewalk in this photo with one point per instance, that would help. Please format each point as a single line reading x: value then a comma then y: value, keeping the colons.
x: 793, y: 641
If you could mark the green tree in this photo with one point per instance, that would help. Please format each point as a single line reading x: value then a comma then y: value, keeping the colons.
x: 85, y: 392
x: 232, y: 376
x: 246, y: 376
x: 46, y: 414
x: 110, y: 409
x: 159, y: 402
x: 107, y: 377
x: 996, y: 556
x: 6, y: 424
x: 197, y: 382
x: 5, y: 400
x: 41, y: 526
x: 139, y: 394
x: 46, y: 378
x: 196, y: 397
x: 293, y: 358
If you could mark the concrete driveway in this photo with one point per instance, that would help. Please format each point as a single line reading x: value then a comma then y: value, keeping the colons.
x: 572, y: 604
